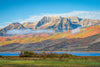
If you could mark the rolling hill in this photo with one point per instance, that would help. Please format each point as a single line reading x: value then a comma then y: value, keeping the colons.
x: 87, y: 39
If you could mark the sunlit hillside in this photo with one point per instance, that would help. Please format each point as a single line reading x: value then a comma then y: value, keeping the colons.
x: 24, y: 39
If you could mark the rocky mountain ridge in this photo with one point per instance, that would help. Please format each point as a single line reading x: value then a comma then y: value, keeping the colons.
x: 11, y: 26
x: 60, y: 24
x: 56, y: 23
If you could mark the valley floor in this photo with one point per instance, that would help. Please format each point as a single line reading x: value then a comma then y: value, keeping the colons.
x: 79, y: 61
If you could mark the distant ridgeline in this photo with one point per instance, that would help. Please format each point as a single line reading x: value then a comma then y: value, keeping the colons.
x: 54, y: 23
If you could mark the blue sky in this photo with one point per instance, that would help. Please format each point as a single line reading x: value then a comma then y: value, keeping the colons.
x: 26, y: 10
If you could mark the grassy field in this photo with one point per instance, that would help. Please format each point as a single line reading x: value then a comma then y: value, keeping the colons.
x: 49, y: 62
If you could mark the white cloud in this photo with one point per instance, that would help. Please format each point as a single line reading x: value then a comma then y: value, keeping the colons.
x: 32, y: 19
x: 28, y: 31
x: 81, y: 14
x: 1, y: 27
x: 77, y: 30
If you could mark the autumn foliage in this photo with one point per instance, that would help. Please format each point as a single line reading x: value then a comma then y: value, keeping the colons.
x: 30, y: 38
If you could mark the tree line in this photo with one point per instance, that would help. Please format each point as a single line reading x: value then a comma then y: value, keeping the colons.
x: 44, y: 54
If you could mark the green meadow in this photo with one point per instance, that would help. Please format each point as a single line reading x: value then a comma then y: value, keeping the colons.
x: 49, y: 62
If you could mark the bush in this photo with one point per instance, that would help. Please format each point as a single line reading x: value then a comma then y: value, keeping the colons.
x: 0, y: 56
x: 26, y: 54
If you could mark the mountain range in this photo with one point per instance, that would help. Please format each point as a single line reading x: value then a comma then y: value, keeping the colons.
x: 71, y: 34
x: 56, y: 23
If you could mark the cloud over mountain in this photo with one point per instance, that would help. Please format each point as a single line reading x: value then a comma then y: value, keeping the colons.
x: 77, y: 30
x: 27, y: 31
x: 81, y: 14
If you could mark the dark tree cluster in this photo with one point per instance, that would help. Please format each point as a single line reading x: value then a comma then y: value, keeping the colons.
x: 44, y: 54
